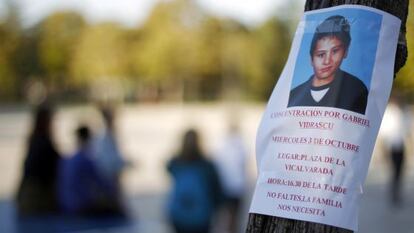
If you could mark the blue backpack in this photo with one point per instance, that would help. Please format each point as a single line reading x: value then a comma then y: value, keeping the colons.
x: 191, y: 203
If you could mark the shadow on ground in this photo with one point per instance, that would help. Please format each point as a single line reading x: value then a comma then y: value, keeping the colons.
x: 146, y: 215
x: 378, y: 215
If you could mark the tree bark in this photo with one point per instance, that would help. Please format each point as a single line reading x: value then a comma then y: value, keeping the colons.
x: 259, y: 223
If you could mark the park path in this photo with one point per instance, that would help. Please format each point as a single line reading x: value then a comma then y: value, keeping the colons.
x: 149, y: 134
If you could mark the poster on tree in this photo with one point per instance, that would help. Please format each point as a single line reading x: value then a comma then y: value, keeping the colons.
x: 318, y: 131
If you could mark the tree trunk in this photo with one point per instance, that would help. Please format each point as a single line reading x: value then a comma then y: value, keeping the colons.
x: 259, y: 223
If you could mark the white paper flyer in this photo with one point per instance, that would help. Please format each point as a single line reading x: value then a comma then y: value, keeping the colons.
x: 316, y: 137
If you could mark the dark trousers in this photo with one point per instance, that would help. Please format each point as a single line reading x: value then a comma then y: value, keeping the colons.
x: 397, y: 159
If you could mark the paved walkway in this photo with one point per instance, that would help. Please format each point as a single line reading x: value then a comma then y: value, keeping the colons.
x: 149, y: 145
x: 376, y: 214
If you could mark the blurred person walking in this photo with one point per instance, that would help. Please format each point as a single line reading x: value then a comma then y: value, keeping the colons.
x: 82, y: 191
x: 196, y: 191
x: 230, y: 160
x: 108, y: 158
x: 36, y: 194
x: 395, y: 130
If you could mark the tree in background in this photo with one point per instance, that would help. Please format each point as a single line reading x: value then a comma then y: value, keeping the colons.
x: 209, y: 56
x: 100, y: 60
x: 58, y: 37
x: 194, y: 56
x: 272, y: 40
x: 10, y: 34
x: 166, y: 58
x: 180, y: 53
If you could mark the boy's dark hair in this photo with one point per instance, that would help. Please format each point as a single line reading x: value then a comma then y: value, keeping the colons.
x: 83, y: 134
x: 336, y: 26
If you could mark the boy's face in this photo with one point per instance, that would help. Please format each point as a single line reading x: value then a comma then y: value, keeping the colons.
x: 327, y: 58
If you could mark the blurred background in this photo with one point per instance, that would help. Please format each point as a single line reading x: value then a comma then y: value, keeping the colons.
x: 167, y: 66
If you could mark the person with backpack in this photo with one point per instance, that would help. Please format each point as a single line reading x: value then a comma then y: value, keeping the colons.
x: 196, y: 191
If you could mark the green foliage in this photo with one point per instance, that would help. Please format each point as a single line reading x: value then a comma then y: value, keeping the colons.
x: 7, y: 85
x: 179, y: 53
x: 100, y: 54
x: 9, y: 42
x: 272, y: 41
x: 58, y: 37
x: 25, y: 58
x: 168, y: 50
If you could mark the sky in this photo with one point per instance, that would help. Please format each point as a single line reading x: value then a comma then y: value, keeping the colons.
x: 133, y: 12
